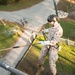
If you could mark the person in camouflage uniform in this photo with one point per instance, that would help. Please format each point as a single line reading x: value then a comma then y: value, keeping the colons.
x: 55, y: 32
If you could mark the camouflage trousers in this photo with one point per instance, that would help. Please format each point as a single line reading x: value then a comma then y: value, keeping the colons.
x: 53, y: 57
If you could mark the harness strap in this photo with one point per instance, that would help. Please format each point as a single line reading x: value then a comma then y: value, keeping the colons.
x: 56, y: 46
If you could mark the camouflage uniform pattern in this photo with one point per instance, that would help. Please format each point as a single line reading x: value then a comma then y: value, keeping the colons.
x: 54, y: 35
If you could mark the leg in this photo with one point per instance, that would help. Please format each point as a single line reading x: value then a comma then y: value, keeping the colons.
x: 41, y: 60
x: 42, y: 55
x: 53, y: 57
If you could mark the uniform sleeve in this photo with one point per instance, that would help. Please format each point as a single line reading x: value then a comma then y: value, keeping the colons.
x: 56, y: 37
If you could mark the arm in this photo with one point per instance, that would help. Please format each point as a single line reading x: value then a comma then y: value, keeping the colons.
x: 56, y: 37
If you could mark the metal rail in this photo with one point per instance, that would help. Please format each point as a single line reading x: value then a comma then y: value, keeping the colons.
x: 11, y: 69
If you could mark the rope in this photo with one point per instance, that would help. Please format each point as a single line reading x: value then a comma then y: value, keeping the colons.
x: 17, y: 47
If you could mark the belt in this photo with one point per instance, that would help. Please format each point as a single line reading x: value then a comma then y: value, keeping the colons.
x: 55, y: 46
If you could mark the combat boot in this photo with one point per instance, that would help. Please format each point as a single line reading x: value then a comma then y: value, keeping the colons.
x: 40, y: 69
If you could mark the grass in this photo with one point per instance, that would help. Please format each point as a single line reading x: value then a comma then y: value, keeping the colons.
x: 66, y: 56
x: 7, y: 36
x: 23, y: 4
x: 68, y: 26
x: 7, y: 40
x: 29, y: 62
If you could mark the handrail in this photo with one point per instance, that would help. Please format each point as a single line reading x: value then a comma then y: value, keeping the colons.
x: 11, y: 69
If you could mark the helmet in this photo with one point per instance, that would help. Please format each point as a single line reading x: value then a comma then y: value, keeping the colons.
x: 51, y: 18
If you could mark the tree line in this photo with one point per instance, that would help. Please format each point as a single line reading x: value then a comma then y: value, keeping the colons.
x: 5, y: 2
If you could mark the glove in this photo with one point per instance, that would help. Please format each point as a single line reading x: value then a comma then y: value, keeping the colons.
x: 44, y: 42
x: 46, y: 30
